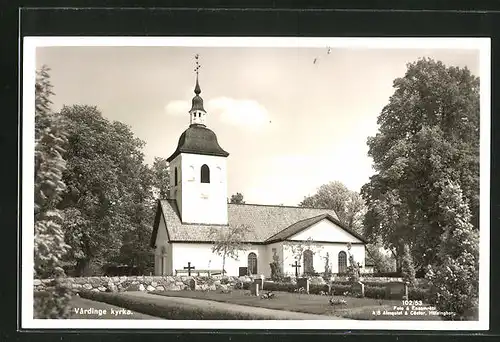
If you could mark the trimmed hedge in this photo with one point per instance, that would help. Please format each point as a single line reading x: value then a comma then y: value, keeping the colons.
x: 372, y: 290
x: 174, y: 311
x: 415, y: 293
x: 376, y: 292
x: 283, y: 287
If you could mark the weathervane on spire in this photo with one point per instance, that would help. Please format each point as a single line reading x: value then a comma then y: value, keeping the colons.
x: 197, y: 89
x: 197, y: 63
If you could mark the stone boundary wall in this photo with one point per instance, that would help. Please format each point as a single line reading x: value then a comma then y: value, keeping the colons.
x: 142, y: 283
x: 173, y: 283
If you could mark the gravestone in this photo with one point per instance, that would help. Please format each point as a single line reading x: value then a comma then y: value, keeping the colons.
x: 396, y: 290
x: 296, y: 266
x: 358, y: 288
x: 243, y: 271
x: 254, y: 289
x: 303, y: 282
x: 259, y: 281
x: 192, y: 284
x: 189, y: 268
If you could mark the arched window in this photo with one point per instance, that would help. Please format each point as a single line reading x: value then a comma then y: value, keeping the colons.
x: 175, y: 176
x: 252, y: 263
x: 342, y: 262
x: 205, y: 174
x: 308, y: 262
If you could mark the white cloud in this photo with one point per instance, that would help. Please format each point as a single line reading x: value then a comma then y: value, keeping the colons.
x: 177, y: 107
x: 247, y: 113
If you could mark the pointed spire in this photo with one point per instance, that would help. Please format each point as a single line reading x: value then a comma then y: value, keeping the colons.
x: 197, y: 89
x: 197, y: 100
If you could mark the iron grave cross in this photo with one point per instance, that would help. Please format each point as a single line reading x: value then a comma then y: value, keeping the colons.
x: 296, y: 265
x: 189, y: 268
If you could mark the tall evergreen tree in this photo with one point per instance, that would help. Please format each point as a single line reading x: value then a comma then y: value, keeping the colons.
x: 49, y: 244
x: 455, y: 277
x: 50, y: 139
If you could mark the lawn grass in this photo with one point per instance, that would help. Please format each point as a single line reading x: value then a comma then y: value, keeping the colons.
x: 170, y: 310
x: 356, y: 308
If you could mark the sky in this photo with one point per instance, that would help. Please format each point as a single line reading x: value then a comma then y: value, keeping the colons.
x: 291, y: 119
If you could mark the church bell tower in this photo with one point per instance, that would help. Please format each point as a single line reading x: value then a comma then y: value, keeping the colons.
x: 197, y: 169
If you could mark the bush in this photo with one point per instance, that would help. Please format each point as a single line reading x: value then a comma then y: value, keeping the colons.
x: 416, y: 293
x: 375, y: 292
x: 339, y: 290
x: 407, y: 268
x: 276, y: 271
x: 52, y: 303
x: 384, y: 274
x: 317, y: 289
x: 279, y: 286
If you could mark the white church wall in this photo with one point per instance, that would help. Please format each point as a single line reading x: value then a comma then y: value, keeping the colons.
x: 201, y: 257
x: 325, y: 230
x: 163, y: 251
x: 203, y: 202
x: 292, y: 248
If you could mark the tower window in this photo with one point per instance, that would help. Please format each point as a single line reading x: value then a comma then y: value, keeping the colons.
x: 175, y: 176
x: 205, y: 174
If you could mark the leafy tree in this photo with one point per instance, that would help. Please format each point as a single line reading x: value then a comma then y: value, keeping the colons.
x: 328, y: 267
x: 383, y: 263
x: 428, y: 132
x: 106, y: 195
x: 297, y: 248
x: 407, y: 267
x: 135, y: 250
x: 229, y: 241
x: 353, y: 268
x: 276, y: 269
x: 237, y: 198
x: 455, y: 277
x: 161, y: 181
x: 49, y: 244
x: 347, y: 204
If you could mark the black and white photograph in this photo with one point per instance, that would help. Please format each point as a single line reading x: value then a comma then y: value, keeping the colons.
x: 238, y: 182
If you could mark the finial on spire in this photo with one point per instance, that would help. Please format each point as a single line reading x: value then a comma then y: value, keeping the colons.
x: 197, y: 89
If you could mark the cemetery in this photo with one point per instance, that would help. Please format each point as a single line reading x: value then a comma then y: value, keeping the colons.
x: 341, y: 298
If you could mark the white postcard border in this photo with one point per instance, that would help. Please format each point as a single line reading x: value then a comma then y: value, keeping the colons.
x: 28, y: 101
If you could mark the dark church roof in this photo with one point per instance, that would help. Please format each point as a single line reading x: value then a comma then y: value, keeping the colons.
x: 198, y: 139
x: 265, y: 222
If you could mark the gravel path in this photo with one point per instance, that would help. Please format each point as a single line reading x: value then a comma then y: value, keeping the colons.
x: 200, y: 303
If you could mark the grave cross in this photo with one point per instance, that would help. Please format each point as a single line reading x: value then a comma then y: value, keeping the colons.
x: 189, y: 268
x: 296, y: 265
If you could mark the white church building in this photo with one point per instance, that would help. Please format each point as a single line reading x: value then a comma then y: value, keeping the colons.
x: 197, y: 206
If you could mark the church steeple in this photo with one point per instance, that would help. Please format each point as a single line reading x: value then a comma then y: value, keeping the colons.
x: 197, y: 113
x: 198, y: 176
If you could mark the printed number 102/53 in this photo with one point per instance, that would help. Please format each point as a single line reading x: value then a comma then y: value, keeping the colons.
x: 412, y: 302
